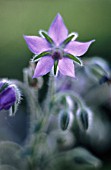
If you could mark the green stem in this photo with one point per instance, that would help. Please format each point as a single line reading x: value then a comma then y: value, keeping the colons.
x: 50, y: 94
x: 32, y: 106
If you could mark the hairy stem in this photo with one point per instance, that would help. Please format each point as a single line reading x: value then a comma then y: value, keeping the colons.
x: 50, y: 93
x: 32, y: 109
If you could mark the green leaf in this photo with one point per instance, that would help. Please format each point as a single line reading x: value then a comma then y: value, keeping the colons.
x: 75, y: 159
x: 36, y: 57
x: 55, y: 67
x: 83, y: 157
x: 10, y: 155
x: 46, y: 36
x: 75, y: 59
x: 67, y: 40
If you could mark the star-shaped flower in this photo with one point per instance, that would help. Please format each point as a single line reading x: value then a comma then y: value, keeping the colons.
x: 56, y: 49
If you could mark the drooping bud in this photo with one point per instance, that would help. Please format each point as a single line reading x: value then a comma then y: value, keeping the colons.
x: 9, y: 96
x: 65, y: 119
x: 98, y: 70
x: 83, y: 117
x: 28, y: 74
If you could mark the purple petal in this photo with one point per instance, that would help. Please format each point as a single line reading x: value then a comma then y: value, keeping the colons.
x: 1, y: 83
x: 77, y: 48
x: 7, y: 98
x: 58, y: 31
x: 66, y: 67
x: 37, y: 44
x: 44, y: 65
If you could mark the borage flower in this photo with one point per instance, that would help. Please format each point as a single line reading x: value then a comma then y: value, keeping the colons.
x: 9, y: 96
x: 56, y: 49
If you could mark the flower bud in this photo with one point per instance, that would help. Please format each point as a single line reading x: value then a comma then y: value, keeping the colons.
x: 28, y: 74
x: 9, y: 96
x: 98, y: 70
x: 65, y: 119
x: 83, y: 118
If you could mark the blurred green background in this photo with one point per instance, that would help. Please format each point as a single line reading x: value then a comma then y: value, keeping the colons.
x: 90, y: 18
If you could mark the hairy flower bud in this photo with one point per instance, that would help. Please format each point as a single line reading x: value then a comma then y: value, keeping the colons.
x: 98, y: 70
x: 28, y: 73
x: 9, y: 96
x: 65, y: 119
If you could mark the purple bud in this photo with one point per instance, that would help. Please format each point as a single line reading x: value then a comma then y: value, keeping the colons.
x: 9, y: 96
x: 1, y: 84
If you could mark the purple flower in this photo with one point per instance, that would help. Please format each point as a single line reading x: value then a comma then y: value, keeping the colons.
x: 9, y: 96
x: 56, y: 49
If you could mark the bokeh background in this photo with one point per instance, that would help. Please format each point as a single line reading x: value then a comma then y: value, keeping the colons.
x: 90, y: 18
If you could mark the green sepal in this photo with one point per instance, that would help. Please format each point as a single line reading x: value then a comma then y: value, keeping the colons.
x: 75, y: 59
x: 4, y: 86
x: 10, y: 156
x: 36, y: 57
x: 46, y: 36
x: 67, y: 40
x: 13, y: 109
x: 64, y: 120
x: 55, y: 66
x: 84, y: 119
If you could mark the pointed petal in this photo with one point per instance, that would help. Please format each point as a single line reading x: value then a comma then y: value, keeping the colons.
x: 66, y: 67
x: 77, y: 48
x: 58, y: 31
x: 44, y: 65
x: 37, y: 44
